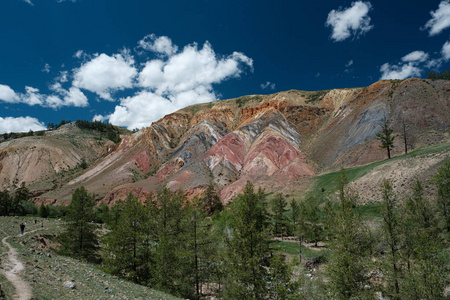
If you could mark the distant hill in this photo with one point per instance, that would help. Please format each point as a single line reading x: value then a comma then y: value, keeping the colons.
x: 280, y: 142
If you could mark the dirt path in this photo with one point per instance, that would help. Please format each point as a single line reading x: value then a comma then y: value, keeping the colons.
x: 12, y: 267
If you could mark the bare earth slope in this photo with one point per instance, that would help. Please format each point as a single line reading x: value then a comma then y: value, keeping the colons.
x: 277, y: 141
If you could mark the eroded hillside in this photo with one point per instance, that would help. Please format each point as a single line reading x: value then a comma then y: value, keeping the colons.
x: 277, y: 141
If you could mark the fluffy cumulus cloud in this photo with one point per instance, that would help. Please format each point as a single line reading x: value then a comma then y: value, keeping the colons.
x: 414, y: 63
x: 20, y: 124
x: 399, y: 71
x: 162, y: 45
x: 350, y: 21
x: 179, y: 79
x: 415, y: 56
x: 32, y: 96
x: 446, y: 51
x: 105, y: 74
x: 173, y: 79
x: 7, y: 94
x: 410, y: 66
x: 440, y: 19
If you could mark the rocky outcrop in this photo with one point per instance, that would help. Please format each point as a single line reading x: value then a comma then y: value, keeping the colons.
x: 276, y: 141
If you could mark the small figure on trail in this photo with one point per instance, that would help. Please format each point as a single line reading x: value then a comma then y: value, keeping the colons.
x: 22, y: 228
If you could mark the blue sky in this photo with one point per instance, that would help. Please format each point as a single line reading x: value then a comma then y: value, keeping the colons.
x: 131, y: 62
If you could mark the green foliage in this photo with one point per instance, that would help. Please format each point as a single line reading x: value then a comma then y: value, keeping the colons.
x: 425, y: 275
x: 6, y: 203
x: 241, y: 101
x: 43, y: 211
x: 109, y: 131
x: 441, y: 75
x: 247, y: 246
x: 127, y: 244
x: 386, y: 138
x: 316, y: 96
x: 278, y: 207
x: 391, y: 232
x: 210, y: 201
x: 280, y: 283
x: 80, y: 239
x: 349, y: 248
x: 442, y: 182
x: 16, y: 202
x: 52, y: 126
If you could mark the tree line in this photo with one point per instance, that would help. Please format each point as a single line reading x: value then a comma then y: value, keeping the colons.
x: 190, y: 247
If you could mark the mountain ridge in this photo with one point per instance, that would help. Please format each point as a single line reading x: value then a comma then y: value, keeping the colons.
x: 272, y: 140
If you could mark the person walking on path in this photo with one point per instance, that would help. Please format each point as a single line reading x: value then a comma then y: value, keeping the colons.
x: 22, y: 228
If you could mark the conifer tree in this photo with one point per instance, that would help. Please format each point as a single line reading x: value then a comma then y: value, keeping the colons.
x: 349, y: 249
x: 442, y: 182
x: 278, y: 206
x: 127, y: 252
x: 386, y: 138
x: 210, y: 201
x: 79, y: 239
x: 170, y: 233
x: 248, y: 243
x: 391, y: 232
x: 425, y: 278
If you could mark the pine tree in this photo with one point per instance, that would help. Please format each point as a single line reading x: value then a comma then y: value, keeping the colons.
x: 127, y: 252
x: 386, y: 138
x: 442, y: 182
x: 391, y: 232
x: 21, y: 195
x: 43, y: 211
x: 79, y: 239
x: 6, y: 203
x: 347, y: 269
x: 170, y: 233
x: 210, y: 201
x: 278, y: 206
x: 425, y: 278
x: 248, y: 244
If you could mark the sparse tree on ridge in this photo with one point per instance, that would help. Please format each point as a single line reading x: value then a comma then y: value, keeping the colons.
x: 386, y: 138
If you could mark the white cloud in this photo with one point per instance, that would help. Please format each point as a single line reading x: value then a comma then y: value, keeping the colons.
x: 32, y: 96
x: 7, y: 94
x: 399, y: 71
x: 106, y: 74
x: 162, y: 45
x: 79, y: 54
x: 446, y: 51
x: 63, y: 76
x: 440, y: 19
x: 350, y: 63
x: 46, y: 68
x: 99, y: 118
x: 20, y: 124
x: 29, y: 2
x: 415, y: 56
x: 411, y: 65
x: 183, y: 78
x: 268, y: 84
x: 351, y: 21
